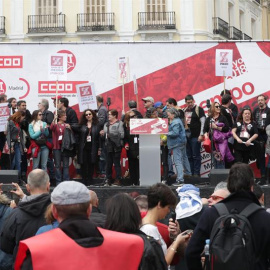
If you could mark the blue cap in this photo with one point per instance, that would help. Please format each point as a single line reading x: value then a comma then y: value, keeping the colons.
x: 158, y: 104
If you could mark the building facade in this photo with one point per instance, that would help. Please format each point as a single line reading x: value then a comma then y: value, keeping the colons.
x: 133, y: 20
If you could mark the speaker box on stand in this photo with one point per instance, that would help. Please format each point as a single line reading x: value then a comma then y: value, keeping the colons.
x: 218, y: 175
x: 8, y: 176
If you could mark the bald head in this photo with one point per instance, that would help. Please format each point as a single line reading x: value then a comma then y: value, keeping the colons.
x: 38, y: 182
x: 94, y: 198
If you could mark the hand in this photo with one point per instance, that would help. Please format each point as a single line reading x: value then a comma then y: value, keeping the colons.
x: 25, y: 150
x: 12, y: 204
x: 18, y: 191
x: 161, y: 142
x: 214, y: 126
x: 239, y: 140
x: 182, y: 238
x: 247, y: 143
x: 68, y: 126
x: 200, y: 138
x: 1, y: 191
x: 173, y: 228
x: 99, y: 152
x: 12, y: 150
x: 101, y: 132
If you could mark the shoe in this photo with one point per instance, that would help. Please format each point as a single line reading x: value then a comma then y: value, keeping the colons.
x: 164, y: 182
x: 178, y: 184
x: 116, y: 183
x: 107, y: 182
x: 196, y: 175
x: 174, y: 176
x: 77, y: 176
x: 102, y: 176
x: 187, y: 175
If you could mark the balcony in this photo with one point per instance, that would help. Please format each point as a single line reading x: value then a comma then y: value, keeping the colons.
x: 156, y: 21
x: 91, y: 22
x: 220, y: 27
x: 2, y: 25
x: 257, y: 1
x: 40, y: 24
x: 235, y: 34
x: 246, y: 37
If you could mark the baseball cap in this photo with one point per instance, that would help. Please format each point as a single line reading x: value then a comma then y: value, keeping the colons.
x: 70, y: 192
x: 148, y: 99
x: 58, y: 97
x: 158, y: 104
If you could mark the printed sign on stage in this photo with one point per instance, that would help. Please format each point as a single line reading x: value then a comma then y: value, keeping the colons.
x: 86, y: 96
x: 58, y: 66
x: 224, y: 59
x: 149, y: 126
x: 4, y: 115
x: 123, y: 69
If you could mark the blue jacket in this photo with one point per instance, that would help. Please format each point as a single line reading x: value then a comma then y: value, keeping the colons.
x: 176, y: 136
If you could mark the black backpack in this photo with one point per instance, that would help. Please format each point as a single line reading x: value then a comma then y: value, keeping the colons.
x: 232, y: 243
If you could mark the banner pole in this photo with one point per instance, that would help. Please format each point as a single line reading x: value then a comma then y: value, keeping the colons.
x: 137, y: 100
x: 56, y: 98
x: 123, y: 96
x: 224, y: 79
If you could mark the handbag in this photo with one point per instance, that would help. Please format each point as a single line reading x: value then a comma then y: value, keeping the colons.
x: 207, y: 145
x: 41, y: 141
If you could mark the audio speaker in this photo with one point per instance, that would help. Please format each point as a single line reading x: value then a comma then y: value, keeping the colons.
x: 218, y: 175
x: 8, y: 176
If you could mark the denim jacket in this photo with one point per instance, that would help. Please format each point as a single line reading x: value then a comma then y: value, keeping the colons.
x: 176, y: 135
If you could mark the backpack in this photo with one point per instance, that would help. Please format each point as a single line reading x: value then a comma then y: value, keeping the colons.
x: 232, y: 243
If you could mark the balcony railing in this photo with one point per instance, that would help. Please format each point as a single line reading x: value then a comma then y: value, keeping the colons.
x: 257, y: 1
x: 156, y: 20
x: 235, y: 33
x: 246, y: 37
x: 46, y: 23
x: 95, y: 22
x: 2, y: 25
x: 220, y: 27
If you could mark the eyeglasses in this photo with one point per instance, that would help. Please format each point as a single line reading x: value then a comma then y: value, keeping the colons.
x: 218, y: 107
x: 88, y: 114
x: 214, y: 197
x: 132, y: 116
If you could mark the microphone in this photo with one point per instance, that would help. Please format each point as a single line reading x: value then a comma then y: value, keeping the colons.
x: 109, y: 101
x: 208, y: 104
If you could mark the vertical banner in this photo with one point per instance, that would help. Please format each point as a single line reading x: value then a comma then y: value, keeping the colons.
x: 86, y: 96
x: 58, y: 67
x: 4, y: 115
x: 123, y: 69
x: 224, y: 59
x: 135, y: 85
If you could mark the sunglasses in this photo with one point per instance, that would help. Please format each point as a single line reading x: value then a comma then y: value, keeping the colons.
x: 88, y: 114
x: 214, y: 197
x: 40, y: 114
x: 218, y: 107
x: 132, y: 116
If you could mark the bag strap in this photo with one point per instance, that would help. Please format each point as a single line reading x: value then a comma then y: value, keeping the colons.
x: 250, y: 209
x: 221, y: 208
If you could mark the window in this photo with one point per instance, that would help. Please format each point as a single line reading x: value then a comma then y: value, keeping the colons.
x: 231, y: 14
x: 242, y: 21
x: 47, y: 7
x: 253, y: 28
x: 156, y: 6
x: 95, y: 6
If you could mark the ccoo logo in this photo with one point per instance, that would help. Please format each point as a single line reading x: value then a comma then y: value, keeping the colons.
x: 71, y: 60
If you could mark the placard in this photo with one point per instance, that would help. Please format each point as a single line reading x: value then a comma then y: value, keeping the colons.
x: 123, y: 69
x: 58, y: 66
x: 4, y: 115
x: 224, y: 59
x: 149, y: 126
x: 86, y: 96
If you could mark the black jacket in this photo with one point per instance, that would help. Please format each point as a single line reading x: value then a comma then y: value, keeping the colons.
x: 68, y: 147
x: 102, y: 115
x: 133, y: 151
x: 23, y: 222
x: 71, y: 116
x: 83, y: 133
x: 97, y: 217
x: 259, y: 222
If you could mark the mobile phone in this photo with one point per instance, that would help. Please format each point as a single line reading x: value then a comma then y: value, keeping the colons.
x: 173, y: 216
x: 187, y: 232
x: 6, y: 188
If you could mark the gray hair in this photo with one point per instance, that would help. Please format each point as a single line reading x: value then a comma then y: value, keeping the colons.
x: 221, y: 185
x: 142, y: 202
x: 45, y: 103
x: 38, y: 179
x: 173, y: 111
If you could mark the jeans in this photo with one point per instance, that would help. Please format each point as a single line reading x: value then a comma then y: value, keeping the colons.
x: 41, y: 157
x: 113, y: 158
x: 102, y: 160
x: 218, y: 164
x: 180, y: 160
x: 17, y: 159
x: 194, y: 155
x: 57, y: 154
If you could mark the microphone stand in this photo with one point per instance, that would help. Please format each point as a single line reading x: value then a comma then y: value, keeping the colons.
x: 9, y: 126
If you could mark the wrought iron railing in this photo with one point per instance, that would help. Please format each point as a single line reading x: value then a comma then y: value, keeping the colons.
x: 95, y: 22
x: 246, y: 37
x: 2, y: 25
x: 156, y: 20
x: 46, y: 23
x: 235, y: 33
x: 220, y: 27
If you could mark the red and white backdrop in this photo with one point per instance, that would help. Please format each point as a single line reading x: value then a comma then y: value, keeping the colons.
x: 162, y: 70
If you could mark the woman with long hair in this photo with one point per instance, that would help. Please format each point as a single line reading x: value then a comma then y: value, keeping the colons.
x: 131, y: 144
x: 16, y: 140
x: 244, y: 132
x: 88, y: 144
x: 217, y: 123
x: 58, y: 128
x: 113, y: 132
x: 123, y: 215
x: 38, y: 131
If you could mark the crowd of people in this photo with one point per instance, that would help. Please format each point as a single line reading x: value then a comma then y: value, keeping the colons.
x: 96, y: 139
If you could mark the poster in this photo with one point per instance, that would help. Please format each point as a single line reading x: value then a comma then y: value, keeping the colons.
x: 86, y: 96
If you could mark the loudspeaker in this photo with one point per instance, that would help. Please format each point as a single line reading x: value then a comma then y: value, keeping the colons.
x: 8, y: 176
x: 218, y: 175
